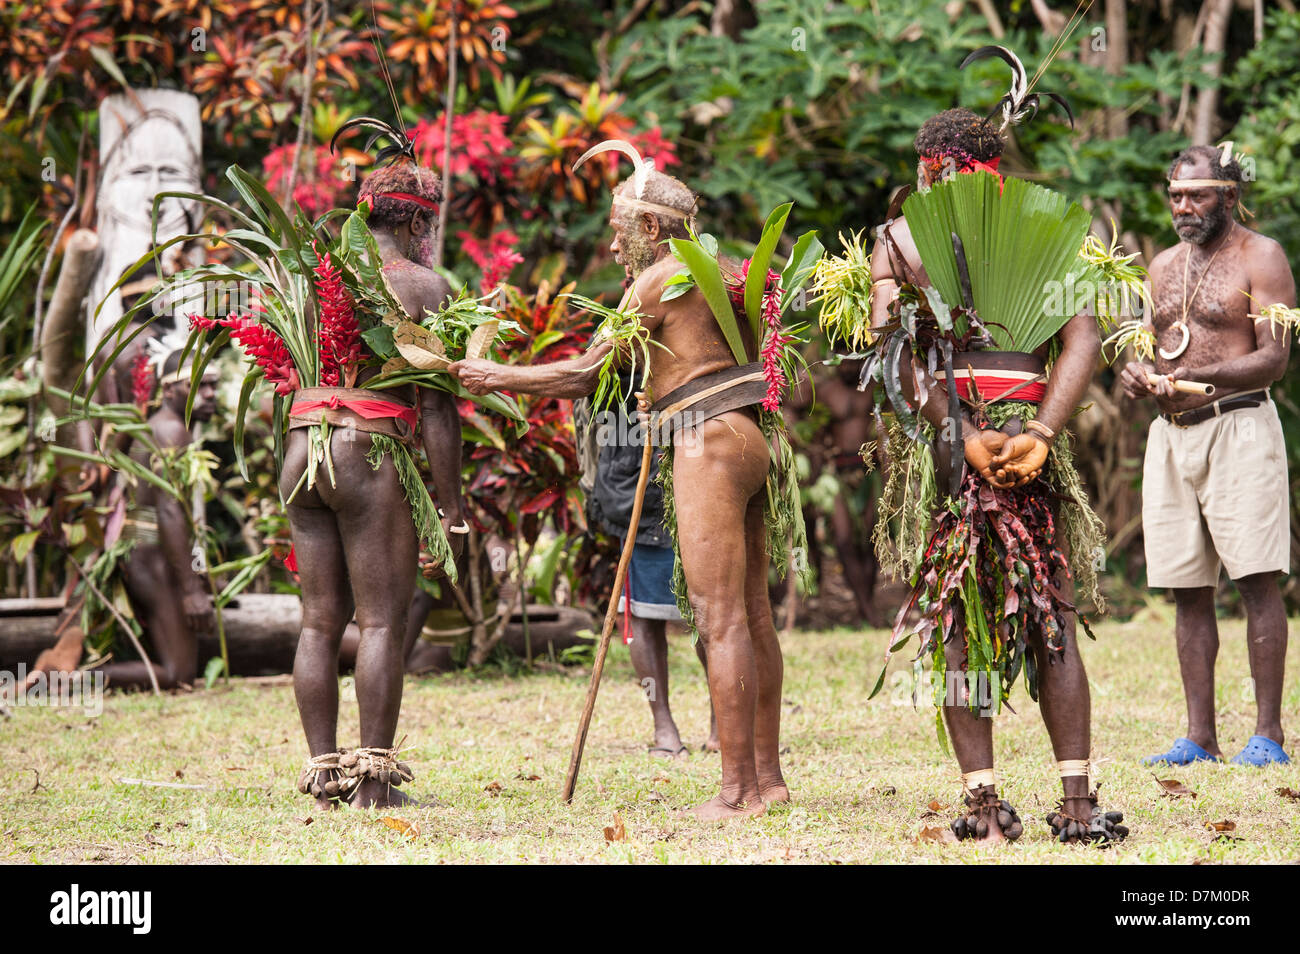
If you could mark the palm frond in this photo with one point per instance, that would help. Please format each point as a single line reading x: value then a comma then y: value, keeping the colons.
x: 1021, y: 243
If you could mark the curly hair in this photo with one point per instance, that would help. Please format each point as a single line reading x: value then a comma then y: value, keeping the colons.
x: 1230, y: 170
x: 398, y: 177
x: 959, y: 133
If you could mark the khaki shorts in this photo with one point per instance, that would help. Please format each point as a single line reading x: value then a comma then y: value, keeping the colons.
x: 1216, y: 491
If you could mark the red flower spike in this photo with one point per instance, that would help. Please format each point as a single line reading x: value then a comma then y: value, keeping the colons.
x: 340, y: 338
x: 141, y: 380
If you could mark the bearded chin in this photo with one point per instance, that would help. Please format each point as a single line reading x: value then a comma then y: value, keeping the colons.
x: 1210, y: 227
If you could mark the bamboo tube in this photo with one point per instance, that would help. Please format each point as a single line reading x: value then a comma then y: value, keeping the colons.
x: 1187, y: 387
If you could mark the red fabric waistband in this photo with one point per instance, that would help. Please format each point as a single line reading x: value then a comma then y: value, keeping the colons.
x: 993, y: 386
x: 369, y: 408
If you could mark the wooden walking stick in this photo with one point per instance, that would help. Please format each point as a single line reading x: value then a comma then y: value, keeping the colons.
x: 611, y: 613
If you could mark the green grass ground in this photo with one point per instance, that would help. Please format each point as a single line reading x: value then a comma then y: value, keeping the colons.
x: 862, y: 773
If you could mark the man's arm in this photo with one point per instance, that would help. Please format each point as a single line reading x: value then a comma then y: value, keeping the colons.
x: 574, y: 378
x: 1023, y: 456
x: 441, y: 436
x: 176, y: 542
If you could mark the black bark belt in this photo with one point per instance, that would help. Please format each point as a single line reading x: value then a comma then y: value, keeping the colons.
x: 1233, y: 403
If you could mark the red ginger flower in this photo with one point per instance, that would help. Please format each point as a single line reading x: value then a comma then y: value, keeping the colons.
x: 340, y: 338
x: 141, y: 380
x: 775, y: 341
x: 260, y: 343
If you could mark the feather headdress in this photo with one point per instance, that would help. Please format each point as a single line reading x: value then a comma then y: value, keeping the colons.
x: 1019, y: 103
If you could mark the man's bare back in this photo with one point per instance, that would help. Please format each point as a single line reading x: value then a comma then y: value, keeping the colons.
x: 685, y: 326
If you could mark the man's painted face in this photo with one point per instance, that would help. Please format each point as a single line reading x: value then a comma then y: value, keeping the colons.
x: 1199, y: 214
x: 633, y: 248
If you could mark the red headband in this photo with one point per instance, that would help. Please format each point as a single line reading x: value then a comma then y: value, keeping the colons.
x: 965, y: 164
x: 405, y: 197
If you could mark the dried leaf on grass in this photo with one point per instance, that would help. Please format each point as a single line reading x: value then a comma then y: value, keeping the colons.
x: 617, y: 831
x: 1172, y: 788
x: 409, y: 830
x: 936, y: 834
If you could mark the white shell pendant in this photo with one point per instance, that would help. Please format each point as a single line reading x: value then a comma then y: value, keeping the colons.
x: 1182, y: 345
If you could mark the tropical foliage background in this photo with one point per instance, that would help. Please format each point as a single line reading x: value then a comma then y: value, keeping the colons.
x: 752, y: 104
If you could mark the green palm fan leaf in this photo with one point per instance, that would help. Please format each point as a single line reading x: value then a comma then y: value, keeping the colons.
x: 1020, y: 247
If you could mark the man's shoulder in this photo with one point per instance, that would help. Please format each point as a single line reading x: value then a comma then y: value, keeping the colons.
x: 1164, y: 257
x: 417, y: 284
x: 1261, y: 249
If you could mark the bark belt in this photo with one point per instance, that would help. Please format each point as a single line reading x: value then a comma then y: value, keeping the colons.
x: 1232, y: 403
x: 353, y: 407
x: 706, y: 397
x: 1004, y: 375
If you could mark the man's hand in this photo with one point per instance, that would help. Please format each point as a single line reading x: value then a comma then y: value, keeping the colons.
x: 476, y: 374
x: 1134, y: 379
x: 1164, y: 386
x: 981, y: 448
x: 197, y: 607
x: 1020, y: 461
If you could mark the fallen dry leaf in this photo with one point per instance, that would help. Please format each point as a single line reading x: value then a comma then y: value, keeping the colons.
x: 527, y: 778
x: 405, y: 828
x: 1290, y: 793
x: 617, y: 831
x: 654, y: 796
x: 306, y: 821
x: 934, y: 809
x: 493, y: 789
x: 936, y: 834
x: 1224, y: 825
x: 1174, y: 788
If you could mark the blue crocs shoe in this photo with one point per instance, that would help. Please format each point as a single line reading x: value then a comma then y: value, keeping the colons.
x: 1261, y: 751
x: 1183, y: 752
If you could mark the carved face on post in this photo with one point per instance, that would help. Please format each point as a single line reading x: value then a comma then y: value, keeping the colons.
x: 149, y: 143
x: 152, y: 157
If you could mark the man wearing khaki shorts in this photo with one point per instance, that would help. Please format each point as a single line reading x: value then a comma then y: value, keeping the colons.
x: 1214, y: 483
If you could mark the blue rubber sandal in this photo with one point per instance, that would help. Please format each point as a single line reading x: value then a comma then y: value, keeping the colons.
x: 1261, y: 751
x: 1183, y: 752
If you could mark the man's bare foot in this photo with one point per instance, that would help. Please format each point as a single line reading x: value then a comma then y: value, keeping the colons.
x: 372, y: 794
x: 668, y: 743
x: 681, y: 753
x: 719, y: 809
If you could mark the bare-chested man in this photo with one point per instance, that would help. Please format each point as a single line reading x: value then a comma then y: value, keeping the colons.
x: 719, y: 471
x: 955, y: 142
x: 1214, y: 482
x: 355, y: 542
